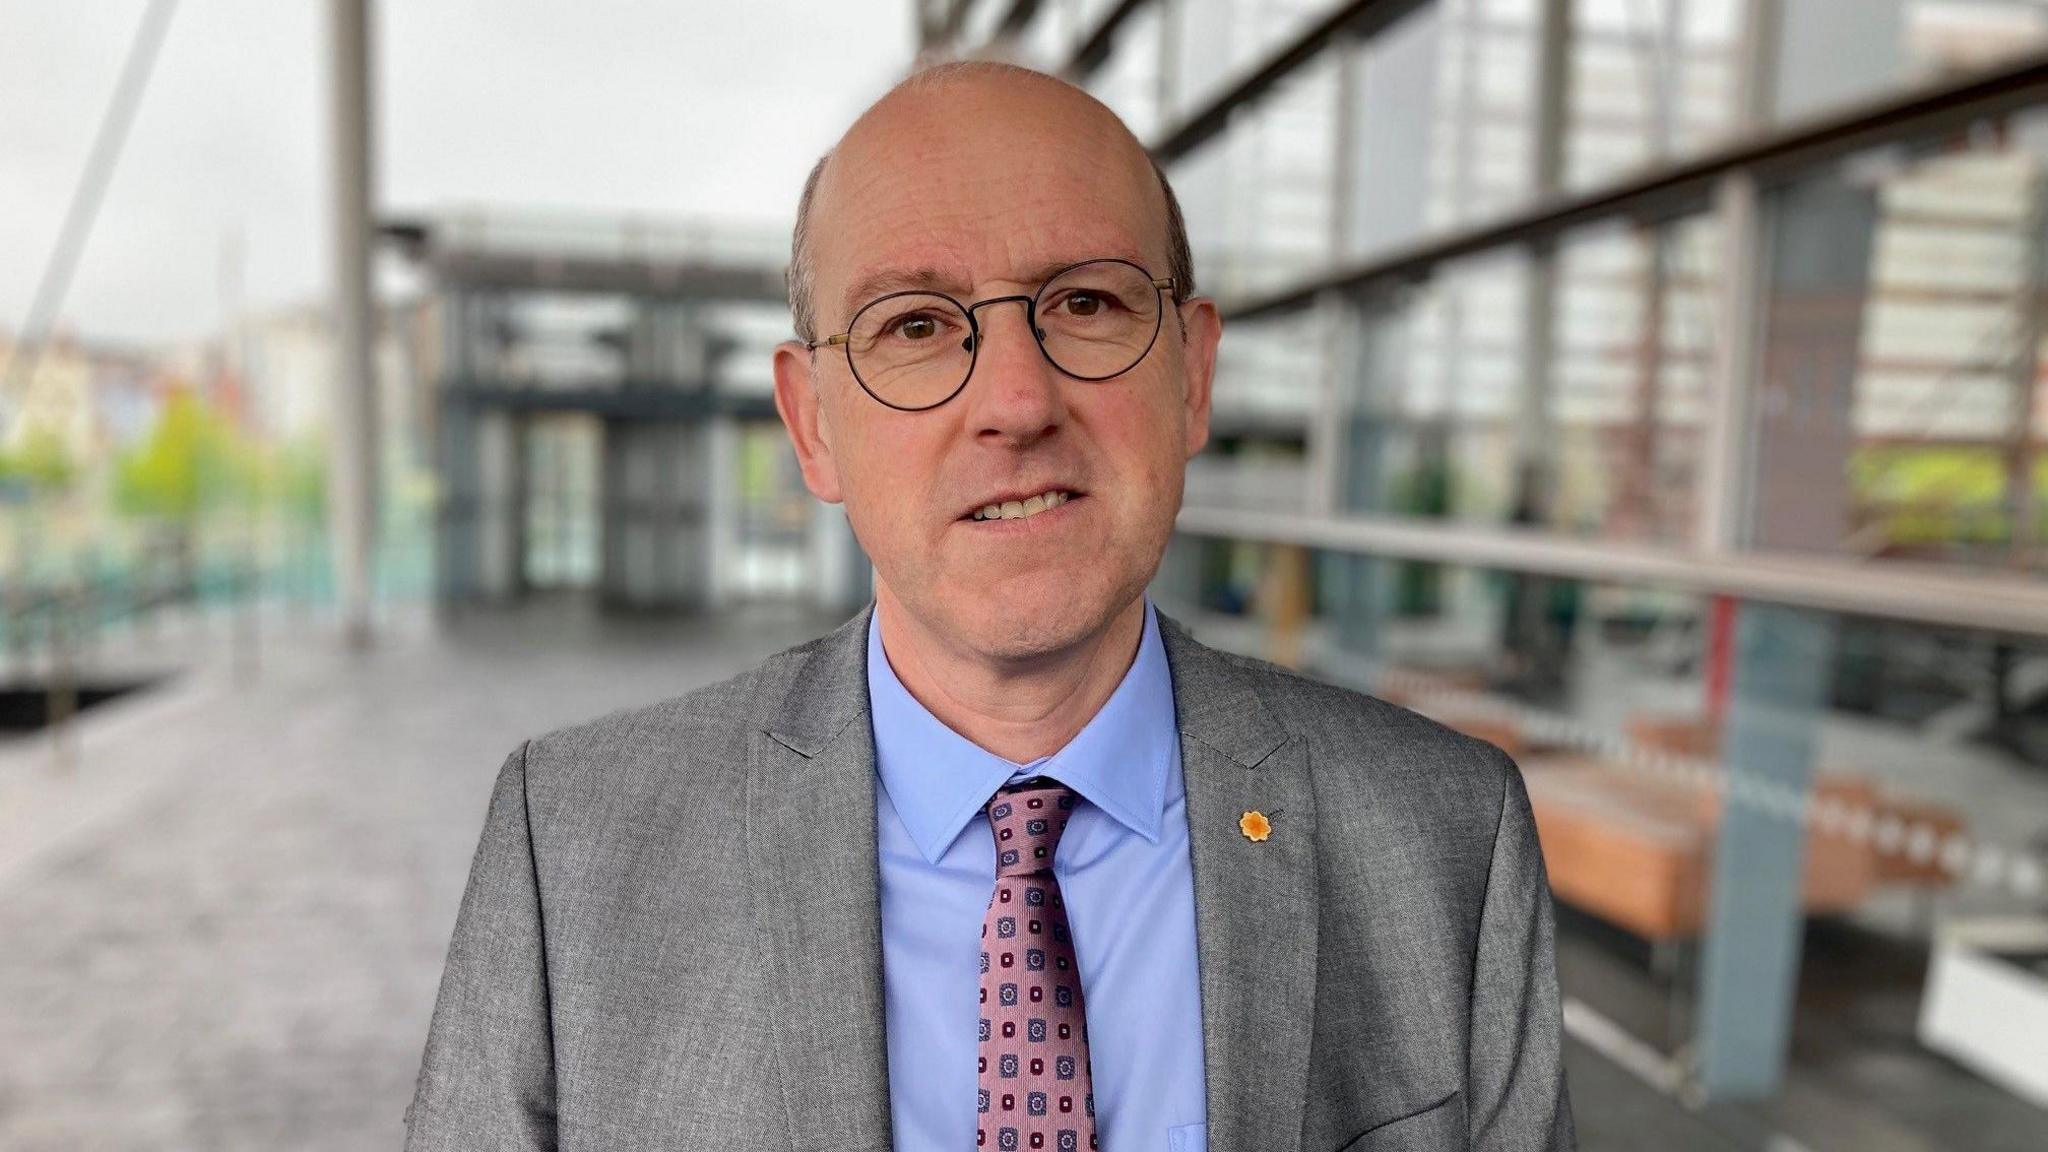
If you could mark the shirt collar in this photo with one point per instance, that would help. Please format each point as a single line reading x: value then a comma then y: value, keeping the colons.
x: 938, y: 779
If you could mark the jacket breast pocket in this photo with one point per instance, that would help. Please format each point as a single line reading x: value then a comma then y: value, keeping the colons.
x: 1437, y: 1128
x: 1188, y: 1138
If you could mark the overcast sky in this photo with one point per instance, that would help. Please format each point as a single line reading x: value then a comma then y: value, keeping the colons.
x: 680, y: 107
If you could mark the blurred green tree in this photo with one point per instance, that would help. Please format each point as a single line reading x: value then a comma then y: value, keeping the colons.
x: 193, y: 462
x: 42, y: 463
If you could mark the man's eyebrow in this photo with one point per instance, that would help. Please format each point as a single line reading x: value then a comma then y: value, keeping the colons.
x: 880, y: 281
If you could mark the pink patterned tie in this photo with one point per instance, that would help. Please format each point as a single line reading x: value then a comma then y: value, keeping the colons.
x: 1034, y: 1037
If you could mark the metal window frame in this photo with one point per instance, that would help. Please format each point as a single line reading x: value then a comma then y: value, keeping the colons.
x: 1683, y: 187
x: 1095, y: 47
x: 1346, y: 23
x: 1728, y: 178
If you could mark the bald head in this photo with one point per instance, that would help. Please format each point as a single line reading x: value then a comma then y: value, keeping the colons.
x: 934, y: 100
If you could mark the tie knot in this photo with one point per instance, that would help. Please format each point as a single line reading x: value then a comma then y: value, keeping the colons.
x: 1028, y: 818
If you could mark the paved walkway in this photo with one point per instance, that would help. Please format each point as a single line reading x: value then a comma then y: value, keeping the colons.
x: 224, y: 927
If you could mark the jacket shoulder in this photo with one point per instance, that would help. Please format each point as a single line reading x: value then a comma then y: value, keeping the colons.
x: 702, y: 729
x: 1359, y: 742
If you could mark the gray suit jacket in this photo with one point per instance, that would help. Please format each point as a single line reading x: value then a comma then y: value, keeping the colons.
x: 671, y: 935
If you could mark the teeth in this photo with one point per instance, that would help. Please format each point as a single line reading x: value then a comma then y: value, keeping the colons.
x: 1019, y: 509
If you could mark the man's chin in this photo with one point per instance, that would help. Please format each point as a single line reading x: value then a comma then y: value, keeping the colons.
x: 1027, y: 619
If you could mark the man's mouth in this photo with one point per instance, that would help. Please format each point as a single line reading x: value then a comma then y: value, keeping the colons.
x: 1025, y: 508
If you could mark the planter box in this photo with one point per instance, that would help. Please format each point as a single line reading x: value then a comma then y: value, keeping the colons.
x: 1986, y: 1004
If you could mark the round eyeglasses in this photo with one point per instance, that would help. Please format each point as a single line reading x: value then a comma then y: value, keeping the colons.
x: 915, y: 350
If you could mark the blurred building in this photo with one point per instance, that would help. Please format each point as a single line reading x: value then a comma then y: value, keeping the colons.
x: 288, y: 357
x: 1657, y: 388
x: 602, y: 415
x: 77, y: 395
x: 77, y: 403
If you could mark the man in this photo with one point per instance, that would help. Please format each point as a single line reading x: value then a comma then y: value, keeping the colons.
x: 1009, y: 860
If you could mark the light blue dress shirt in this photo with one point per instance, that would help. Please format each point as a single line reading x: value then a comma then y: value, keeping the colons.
x: 1123, y: 870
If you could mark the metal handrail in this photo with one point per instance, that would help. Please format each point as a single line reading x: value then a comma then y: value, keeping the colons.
x: 1895, y: 590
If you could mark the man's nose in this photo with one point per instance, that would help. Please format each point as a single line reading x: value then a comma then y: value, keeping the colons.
x: 1015, y: 390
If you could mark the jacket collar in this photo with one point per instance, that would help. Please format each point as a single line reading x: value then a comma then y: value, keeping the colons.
x: 939, y: 781
x: 1216, y: 702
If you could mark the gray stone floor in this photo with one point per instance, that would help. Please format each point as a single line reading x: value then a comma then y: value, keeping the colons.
x: 224, y: 923
x: 224, y: 926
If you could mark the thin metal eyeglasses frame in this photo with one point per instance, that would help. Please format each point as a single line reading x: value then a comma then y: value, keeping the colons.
x: 1160, y: 285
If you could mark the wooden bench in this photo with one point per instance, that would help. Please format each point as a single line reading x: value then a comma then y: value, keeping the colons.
x: 1690, y: 736
x: 1637, y: 850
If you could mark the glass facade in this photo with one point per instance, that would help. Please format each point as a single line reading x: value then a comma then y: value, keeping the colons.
x: 602, y: 393
x: 1902, y: 415
x: 1656, y: 388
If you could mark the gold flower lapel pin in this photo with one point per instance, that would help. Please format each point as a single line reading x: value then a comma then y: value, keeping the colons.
x: 1256, y: 825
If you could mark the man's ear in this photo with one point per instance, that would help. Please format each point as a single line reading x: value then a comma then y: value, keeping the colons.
x: 1198, y: 361
x: 796, y: 399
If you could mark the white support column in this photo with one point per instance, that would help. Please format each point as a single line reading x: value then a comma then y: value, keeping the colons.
x: 1335, y: 320
x: 844, y: 578
x: 721, y: 508
x: 1539, y: 317
x: 1723, y: 483
x: 353, y: 465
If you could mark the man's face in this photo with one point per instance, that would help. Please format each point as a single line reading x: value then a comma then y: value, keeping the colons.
x: 984, y: 184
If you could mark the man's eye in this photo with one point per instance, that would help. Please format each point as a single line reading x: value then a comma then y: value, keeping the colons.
x: 1083, y: 304
x: 915, y: 327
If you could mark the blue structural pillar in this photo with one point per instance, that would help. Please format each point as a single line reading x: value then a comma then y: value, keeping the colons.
x: 1359, y: 600
x: 1370, y: 357
x: 1358, y: 589
x: 1750, y: 966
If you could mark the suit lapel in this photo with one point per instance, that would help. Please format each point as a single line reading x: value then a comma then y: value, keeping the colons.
x: 1255, y: 901
x: 811, y: 845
